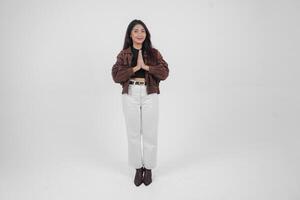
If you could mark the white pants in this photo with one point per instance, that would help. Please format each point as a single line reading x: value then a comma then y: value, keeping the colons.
x: 141, y: 117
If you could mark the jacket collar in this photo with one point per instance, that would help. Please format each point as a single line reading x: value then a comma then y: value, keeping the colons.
x: 128, y: 51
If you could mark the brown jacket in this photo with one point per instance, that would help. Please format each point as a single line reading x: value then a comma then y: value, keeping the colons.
x: 122, y: 72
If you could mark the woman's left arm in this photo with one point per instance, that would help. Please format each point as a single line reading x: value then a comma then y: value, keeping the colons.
x: 161, y: 70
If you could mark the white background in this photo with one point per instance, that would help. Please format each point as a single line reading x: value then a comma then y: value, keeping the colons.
x: 229, y: 110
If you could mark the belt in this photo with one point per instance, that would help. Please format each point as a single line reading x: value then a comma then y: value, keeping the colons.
x: 137, y: 83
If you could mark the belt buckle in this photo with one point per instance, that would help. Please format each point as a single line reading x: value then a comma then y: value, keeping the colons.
x: 137, y: 82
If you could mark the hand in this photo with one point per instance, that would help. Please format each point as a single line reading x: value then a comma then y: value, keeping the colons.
x: 137, y: 68
x: 141, y: 63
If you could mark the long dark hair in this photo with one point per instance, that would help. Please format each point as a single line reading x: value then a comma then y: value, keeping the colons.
x: 147, y: 45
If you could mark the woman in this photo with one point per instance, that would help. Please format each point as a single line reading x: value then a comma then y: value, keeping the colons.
x: 139, y: 69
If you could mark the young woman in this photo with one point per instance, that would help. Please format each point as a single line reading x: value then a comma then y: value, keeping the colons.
x: 139, y: 69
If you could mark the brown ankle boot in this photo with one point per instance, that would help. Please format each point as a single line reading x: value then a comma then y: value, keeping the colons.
x: 138, y: 179
x: 147, y: 176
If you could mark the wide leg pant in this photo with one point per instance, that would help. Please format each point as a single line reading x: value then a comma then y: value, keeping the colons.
x: 141, y: 116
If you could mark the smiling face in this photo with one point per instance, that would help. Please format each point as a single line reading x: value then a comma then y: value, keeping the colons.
x: 138, y: 34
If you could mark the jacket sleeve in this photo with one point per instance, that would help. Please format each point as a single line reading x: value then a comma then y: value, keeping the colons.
x: 161, y: 70
x: 120, y: 72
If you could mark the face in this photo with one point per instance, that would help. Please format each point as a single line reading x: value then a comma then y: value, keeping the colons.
x: 138, y: 34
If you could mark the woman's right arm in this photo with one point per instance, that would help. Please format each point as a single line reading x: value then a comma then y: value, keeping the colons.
x: 121, y: 72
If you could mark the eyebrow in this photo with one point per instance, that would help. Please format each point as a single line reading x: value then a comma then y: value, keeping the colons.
x: 138, y: 29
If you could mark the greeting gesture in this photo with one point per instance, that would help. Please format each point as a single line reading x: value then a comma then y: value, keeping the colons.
x: 140, y: 61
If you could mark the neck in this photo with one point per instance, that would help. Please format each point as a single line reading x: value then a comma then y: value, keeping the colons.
x: 137, y: 46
